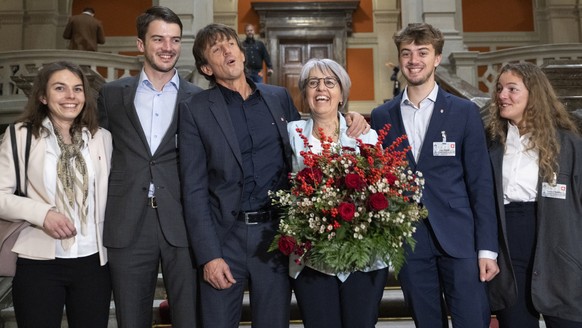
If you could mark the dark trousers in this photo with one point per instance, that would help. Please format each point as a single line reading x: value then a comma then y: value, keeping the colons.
x: 134, y: 273
x: 429, y: 273
x: 326, y: 302
x: 266, y: 274
x: 521, y: 222
x: 41, y: 289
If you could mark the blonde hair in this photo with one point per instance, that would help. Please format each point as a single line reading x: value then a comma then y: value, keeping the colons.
x: 543, y: 116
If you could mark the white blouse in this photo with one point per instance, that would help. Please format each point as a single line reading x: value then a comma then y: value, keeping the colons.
x: 84, y: 245
x: 520, y: 168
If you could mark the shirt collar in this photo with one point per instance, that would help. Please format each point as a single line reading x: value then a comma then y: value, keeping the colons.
x: 431, y: 96
x: 230, y: 94
x: 145, y: 81
x: 50, y: 128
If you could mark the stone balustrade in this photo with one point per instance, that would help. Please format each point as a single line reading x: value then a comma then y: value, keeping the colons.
x: 480, y: 68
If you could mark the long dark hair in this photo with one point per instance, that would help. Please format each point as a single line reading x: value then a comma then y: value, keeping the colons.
x: 35, y: 111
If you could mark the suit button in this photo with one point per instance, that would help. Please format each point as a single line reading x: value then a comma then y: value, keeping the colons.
x: 152, y: 163
x: 234, y: 213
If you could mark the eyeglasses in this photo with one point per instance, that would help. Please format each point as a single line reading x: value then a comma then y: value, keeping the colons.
x: 329, y: 82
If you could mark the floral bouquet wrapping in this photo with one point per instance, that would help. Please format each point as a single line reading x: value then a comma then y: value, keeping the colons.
x: 347, y: 209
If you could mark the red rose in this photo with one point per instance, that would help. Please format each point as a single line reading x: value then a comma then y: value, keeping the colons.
x: 391, y: 178
x: 310, y: 175
x: 287, y: 244
x: 378, y: 201
x: 347, y: 211
x: 354, y: 181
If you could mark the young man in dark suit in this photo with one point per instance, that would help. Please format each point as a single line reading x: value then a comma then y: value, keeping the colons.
x: 144, y: 225
x: 456, y: 246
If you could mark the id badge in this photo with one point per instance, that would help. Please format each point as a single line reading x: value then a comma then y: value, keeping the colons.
x: 557, y: 191
x: 443, y: 149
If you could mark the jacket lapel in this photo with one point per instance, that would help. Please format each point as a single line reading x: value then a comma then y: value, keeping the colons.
x: 129, y: 107
x: 398, y: 130
x: 218, y: 108
x: 172, y: 131
x: 280, y: 120
x: 435, y: 126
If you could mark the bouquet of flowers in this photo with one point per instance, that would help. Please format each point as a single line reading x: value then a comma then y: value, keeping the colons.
x: 348, y: 208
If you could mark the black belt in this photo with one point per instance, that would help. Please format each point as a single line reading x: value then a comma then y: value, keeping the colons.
x: 255, y: 217
x: 152, y: 202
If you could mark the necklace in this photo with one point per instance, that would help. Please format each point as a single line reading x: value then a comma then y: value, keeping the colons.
x: 334, y: 135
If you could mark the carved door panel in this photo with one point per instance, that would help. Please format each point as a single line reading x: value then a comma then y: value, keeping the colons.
x: 293, y: 54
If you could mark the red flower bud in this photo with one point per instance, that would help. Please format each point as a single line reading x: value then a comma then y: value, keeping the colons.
x: 312, y: 176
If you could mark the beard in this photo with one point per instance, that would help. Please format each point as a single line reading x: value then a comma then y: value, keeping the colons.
x: 166, y: 67
x: 418, y: 79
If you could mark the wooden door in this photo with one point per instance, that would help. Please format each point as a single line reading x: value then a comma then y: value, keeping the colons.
x: 293, y: 54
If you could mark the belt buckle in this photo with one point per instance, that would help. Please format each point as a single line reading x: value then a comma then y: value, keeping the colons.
x: 152, y: 202
x: 247, y: 218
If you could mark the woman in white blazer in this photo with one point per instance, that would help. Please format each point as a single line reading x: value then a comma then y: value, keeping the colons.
x: 331, y: 299
x: 61, y: 258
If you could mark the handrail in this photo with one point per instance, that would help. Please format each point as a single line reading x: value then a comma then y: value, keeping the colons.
x: 27, y: 62
x: 5, y: 292
x: 480, y: 69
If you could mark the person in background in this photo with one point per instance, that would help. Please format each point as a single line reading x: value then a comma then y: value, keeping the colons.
x: 536, y: 152
x: 331, y: 299
x: 62, y: 262
x: 255, y: 54
x: 234, y: 148
x: 456, y: 246
x: 84, y: 31
x: 145, y: 227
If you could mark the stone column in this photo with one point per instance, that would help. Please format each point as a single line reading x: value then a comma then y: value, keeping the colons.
x: 11, y: 18
x: 194, y: 15
x: 44, y: 22
x: 443, y: 14
x: 559, y: 21
x: 386, y: 19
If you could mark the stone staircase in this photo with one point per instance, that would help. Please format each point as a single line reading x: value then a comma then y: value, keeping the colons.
x: 392, y: 313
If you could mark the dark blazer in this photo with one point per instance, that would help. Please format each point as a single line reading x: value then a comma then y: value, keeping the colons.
x: 458, y: 190
x: 133, y: 167
x: 211, y: 166
x: 557, y: 265
x: 85, y: 32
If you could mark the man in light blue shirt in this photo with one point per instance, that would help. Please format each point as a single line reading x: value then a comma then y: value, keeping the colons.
x: 144, y: 226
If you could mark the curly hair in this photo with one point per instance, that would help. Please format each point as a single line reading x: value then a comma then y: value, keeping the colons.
x: 543, y: 116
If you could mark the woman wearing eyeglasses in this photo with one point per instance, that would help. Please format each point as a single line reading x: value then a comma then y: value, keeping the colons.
x: 331, y: 299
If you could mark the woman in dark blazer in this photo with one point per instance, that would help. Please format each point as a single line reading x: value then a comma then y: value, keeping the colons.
x: 536, y: 153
